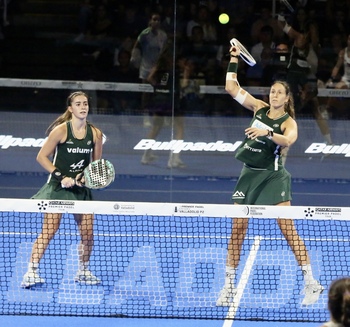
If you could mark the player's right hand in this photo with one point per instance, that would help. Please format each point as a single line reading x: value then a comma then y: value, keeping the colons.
x: 234, y: 51
x: 79, y: 180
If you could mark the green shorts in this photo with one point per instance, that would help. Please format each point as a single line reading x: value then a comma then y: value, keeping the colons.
x: 54, y: 191
x: 262, y: 187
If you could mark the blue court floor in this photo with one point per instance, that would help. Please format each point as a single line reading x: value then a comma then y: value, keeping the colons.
x: 30, y: 321
x: 194, y: 190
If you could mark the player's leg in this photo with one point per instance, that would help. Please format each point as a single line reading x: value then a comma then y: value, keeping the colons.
x: 157, y: 125
x: 312, y: 289
x: 174, y: 158
x: 239, y: 230
x: 310, y: 92
x: 85, y: 224
x: 50, y: 226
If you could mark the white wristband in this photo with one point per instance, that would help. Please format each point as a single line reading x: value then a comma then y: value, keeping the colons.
x: 240, y: 98
x: 230, y: 77
x: 286, y: 28
x: 281, y: 18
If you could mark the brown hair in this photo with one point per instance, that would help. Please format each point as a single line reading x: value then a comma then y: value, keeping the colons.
x: 67, y: 115
x: 289, y: 107
x: 339, y: 301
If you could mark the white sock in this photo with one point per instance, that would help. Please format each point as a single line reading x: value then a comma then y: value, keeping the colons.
x: 83, y: 266
x: 328, y: 138
x: 230, y: 277
x: 307, y: 273
x: 33, y: 266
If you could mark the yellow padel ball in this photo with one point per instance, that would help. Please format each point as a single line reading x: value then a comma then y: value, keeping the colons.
x: 224, y: 18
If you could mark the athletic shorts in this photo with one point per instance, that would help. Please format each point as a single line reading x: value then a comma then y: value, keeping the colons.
x: 262, y: 187
x: 54, y: 191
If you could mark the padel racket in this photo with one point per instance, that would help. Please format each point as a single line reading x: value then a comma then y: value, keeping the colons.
x: 287, y: 5
x: 244, y: 54
x: 97, y: 175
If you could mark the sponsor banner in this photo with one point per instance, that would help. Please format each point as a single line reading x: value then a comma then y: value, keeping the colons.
x: 175, y: 209
x: 207, y: 149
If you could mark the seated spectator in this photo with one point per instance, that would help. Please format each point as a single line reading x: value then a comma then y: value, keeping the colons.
x: 276, y: 69
x: 265, y: 19
x: 255, y: 73
x: 265, y: 41
x: 191, y: 78
x: 224, y: 47
x: 123, y: 72
x: 199, y: 49
x: 204, y: 20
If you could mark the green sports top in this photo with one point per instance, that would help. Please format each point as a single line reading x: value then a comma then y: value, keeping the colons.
x: 262, y: 152
x: 72, y: 156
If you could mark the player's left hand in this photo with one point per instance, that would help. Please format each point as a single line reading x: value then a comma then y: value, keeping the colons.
x: 253, y: 132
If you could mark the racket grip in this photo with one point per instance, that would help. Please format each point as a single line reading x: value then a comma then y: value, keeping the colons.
x: 78, y: 178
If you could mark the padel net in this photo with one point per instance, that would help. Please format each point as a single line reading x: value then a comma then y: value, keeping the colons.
x: 167, y: 260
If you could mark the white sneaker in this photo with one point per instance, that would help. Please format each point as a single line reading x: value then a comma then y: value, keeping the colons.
x: 147, y: 158
x: 226, y: 296
x: 176, y: 163
x: 31, y: 278
x: 147, y: 121
x: 312, y: 292
x: 86, y: 277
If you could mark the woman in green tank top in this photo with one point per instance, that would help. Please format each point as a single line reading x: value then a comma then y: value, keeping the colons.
x: 73, y: 143
x: 264, y: 180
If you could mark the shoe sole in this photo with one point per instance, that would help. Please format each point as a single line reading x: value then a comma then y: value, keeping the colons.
x: 319, y: 294
x: 83, y: 282
x: 29, y: 285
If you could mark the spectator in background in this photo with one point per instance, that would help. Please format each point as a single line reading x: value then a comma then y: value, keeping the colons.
x: 301, y: 76
x: 145, y: 53
x: 341, y: 23
x: 255, y: 73
x: 123, y: 72
x: 302, y: 21
x: 167, y: 23
x: 201, y: 51
x: 265, y: 19
x: 337, y: 13
x: 340, y: 75
x: 265, y: 41
x: 276, y: 70
x: 84, y: 18
x: 191, y: 80
x: 328, y: 56
x: 262, y: 52
x: 224, y: 47
x: 339, y: 303
x: 204, y: 20
x: 130, y: 23
x: 165, y: 103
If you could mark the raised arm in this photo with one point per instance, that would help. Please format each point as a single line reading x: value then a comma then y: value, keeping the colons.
x: 233, y: 88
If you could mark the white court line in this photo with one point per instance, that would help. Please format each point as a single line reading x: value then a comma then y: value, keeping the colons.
x: 242, y: 283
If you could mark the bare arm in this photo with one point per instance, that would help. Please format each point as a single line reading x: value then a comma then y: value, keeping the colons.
x: 289, y: 136
x: 233, y: 88
x: 290, y: 133
x: 97, y: 152
x: 57, y: 135
x: 338, y: 64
